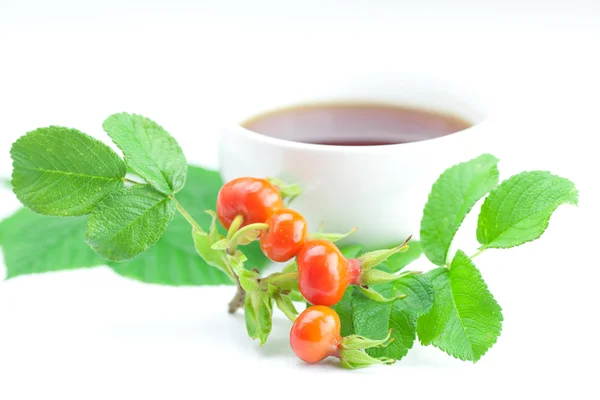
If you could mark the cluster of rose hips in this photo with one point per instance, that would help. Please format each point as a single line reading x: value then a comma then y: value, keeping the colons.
x: 323, y: 272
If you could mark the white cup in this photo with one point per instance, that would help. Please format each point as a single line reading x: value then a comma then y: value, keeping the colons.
x: 379, y: 189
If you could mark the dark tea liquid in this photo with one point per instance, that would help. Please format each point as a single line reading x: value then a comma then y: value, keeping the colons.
x: 355, y: 124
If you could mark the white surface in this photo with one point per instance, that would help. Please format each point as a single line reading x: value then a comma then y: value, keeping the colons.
x: 93, y: 335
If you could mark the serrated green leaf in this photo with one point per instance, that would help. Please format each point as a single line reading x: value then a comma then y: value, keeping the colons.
x: 452, y: 196
x: 351, y: 251
x: 128, y: 222
x: 34, y: 243
x: 344, y: 310
x: 519, y: 209
x: 149, y: 151
x: 258, y: 312
x: 61, y: 171
x: 400, y: 260
x: 374, y: 320
x: 419, y: 294
x: 465, y: 320
x: 173, y: 260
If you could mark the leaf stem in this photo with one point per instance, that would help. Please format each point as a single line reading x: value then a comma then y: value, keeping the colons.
x: 478, y: 253
x: 187, y: 215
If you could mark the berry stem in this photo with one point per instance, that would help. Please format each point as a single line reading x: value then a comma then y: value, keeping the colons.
x: 235, y: 225
x: 286, y: 281
x: 238, y: 299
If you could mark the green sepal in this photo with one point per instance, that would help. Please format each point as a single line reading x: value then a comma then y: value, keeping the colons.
x: 353, y: 359
x: 353, y: 355
x: 372, y: 259
x: 258, y: 312
x: 214, y: 258
x: 295, y: 295
x: 204, y: 242
x: 378, y: 297
x: 284, y: 303
x: 332, y: 237
x: 213, y: 233
x: 220, y: 245
x: 245, y: 235
x: 358, y: 342
x: 291, y: 267
x: 248, y: 279
x: 288, y: 191
x: 376, y: 276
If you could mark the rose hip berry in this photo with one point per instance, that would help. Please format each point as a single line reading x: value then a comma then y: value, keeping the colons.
x: 285, y: 236
x: 315, y: 334
x: 253, y: 198
x: 324, y: 273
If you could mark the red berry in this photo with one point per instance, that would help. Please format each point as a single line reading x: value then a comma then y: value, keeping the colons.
x: 315, y: 334
x: 253, y: 198
x: 324, y: 273
x: 286, y: 235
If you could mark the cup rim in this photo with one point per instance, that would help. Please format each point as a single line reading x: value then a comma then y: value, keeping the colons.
x: 384, y: 148
x: 464, y: 94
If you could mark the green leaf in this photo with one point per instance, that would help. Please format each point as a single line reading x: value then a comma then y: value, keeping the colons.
x: 400, y: 260
x: 149, y: 151
x: 452, y: 196
x: 419, y: 294
x: 519, y: 209
x: 128, y: 222
x: 351, y: 251
x: 258, y: 312
x: 34, y: 243
x: 344, y: 310
x: 465, y: 320
x: 374, y: 320
x: 61, y: 171
x: 173, y: 260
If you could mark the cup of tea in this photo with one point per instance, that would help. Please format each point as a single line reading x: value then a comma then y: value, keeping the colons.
x: 365, y: 150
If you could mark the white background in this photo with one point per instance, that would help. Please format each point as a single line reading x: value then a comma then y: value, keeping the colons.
x: 188, y: 65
